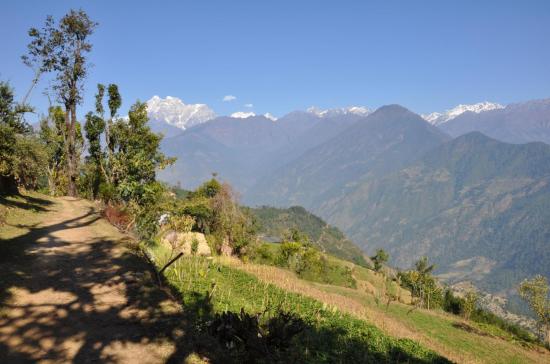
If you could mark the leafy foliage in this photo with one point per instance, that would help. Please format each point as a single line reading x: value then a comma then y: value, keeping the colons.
x: 21, y: 155
x: 379, y: 259
x: 52, y: 135
x: 535, y: 292
x: 217, y: 213
x: 423, y: 285
x: 251, y: 339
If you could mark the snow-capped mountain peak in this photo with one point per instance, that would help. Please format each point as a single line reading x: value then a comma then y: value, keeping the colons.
x: 243, y: 114
x: 270, y: 116
x: 174, y: 111
x: 437, y: 118
x: 357, y: 110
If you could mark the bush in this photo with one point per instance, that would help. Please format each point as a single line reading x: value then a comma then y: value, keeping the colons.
x: 304, y: 260
x: 452, y: 303
x: 486, y: 317
x: 456, y: 306
x: 116, y: 215
x: 256, y: 338
x: 263, y: 254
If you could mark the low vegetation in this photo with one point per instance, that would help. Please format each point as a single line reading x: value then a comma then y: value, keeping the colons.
x: 328, y: 335
x: 304, y: 260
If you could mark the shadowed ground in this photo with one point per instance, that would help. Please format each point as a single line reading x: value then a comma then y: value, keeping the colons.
x: 71, y: 290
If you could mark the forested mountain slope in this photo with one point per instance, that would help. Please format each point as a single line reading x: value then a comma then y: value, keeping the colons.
x: 478, y: 207
x: 275, y: 223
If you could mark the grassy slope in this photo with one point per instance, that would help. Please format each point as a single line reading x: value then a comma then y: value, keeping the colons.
x: 332, y: 333
x: 435, y: 330
x: 17, y: 214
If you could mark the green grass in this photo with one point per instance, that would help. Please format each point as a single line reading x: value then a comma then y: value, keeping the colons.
x: 486, y: 343
x: 17, y: 214
x: 207, y: 287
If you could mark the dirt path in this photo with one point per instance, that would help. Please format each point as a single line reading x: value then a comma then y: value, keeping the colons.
x: 75, y: 293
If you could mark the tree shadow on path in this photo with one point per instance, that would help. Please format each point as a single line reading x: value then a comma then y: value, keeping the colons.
x: 89, y: 301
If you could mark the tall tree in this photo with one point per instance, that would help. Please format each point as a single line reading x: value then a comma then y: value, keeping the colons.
x: 94, y: 127
x: 423, y: 267
x: 535, y: 292
x: 63, y: 48
x: 52, y: 134
x: 41, y: 56
x: 136, y: 159
x: 114, y: 102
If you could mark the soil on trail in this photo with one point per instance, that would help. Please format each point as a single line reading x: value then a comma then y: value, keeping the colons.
x: 75, y: 292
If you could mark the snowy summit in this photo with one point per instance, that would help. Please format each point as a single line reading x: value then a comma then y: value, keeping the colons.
x: 174, y: 111
x: 437, y: 118
x: 357, y: 110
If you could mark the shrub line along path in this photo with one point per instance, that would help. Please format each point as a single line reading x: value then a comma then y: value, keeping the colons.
x: 72, y: 292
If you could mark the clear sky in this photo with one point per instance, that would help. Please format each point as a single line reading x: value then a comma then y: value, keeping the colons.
x: 287, y: 55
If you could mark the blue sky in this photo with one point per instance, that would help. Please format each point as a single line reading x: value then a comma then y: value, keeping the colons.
x: 287, y: 55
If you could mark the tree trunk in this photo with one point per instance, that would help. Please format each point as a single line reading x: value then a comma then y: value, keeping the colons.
x: 51, y: 180
x: 37, y: 74
x: 70, y: 119
x: 109, y: 151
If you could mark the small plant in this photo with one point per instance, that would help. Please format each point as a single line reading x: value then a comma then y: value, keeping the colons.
x: 469, y: 304
x: 253, y: 338
x: 194, y: 246
x: 3, y: 215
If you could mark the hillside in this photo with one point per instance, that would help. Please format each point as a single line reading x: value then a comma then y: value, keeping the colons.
x: 476, y: 206
x: 242, y: 150
x: 373, y: 146
x: 275, y: 223
x: 347, y: 324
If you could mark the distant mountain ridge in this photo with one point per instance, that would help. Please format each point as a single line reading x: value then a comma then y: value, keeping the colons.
x: 242, y: 150
x: 371, y: 147
x: 516, y: 123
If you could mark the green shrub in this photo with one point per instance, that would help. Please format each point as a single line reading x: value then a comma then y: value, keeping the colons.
x: 486, y: 317
x: 304, y: 260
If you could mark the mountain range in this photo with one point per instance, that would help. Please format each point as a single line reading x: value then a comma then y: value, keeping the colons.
x: 516, y: 123
x: 462, y: 187
x: 438, y: 118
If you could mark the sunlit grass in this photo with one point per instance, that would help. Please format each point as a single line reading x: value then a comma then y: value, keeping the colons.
x: 336, y: 326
